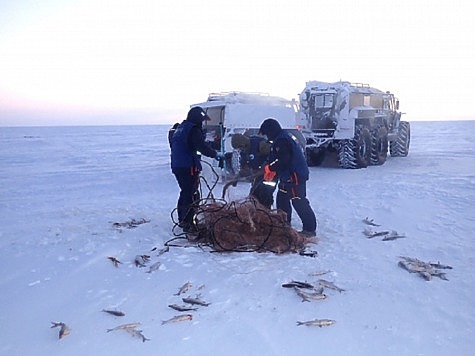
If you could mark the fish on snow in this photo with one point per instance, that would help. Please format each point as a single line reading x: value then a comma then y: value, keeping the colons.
x: 114, y: 312
x: 317, y: 322
x: 182, y: 308
x: 154, y: 267
x: 330, y: 285
x: 114, y: 261
x: 125, y: 327
x: 370, y: 222
x: 308, y: 297
x: 178, y: 318
x: 137, y: 333
x: 195, y: 301
x: 64, y: 329
x: 184, y: 288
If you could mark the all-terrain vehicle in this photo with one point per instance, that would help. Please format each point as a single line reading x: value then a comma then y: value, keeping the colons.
x: 355, y: 120
x: 242, y: 113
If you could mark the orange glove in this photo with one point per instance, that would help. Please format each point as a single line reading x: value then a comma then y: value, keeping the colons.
x: 268, y: 174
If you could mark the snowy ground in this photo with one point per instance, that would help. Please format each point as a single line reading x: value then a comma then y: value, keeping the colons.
x: 61, y: 190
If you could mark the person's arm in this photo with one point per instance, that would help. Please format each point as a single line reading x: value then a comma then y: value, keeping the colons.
x: 283, y: 155
x: 198, y: 143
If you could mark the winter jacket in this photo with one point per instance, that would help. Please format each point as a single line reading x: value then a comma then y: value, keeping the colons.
x: 256, y: 159
x: 290, y: 163
x: 287, y: 158
x: 186, y: 144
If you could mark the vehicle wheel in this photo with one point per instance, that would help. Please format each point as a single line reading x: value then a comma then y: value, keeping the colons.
x: 379, y: 146
x: 363, y: 147
x: 315, y: 158
x: 400, y: 147
x: 355, y: 153
x: 346, y: 156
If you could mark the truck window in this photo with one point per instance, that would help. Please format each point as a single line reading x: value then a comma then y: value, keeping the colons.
x: 323, y: 101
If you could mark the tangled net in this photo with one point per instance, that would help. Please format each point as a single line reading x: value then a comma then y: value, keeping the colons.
x: 242, y: 226
x: 246, y: 225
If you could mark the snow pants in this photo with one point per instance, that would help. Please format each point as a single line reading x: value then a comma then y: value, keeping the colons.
x: 263, y: 191
x: 297, y: 194
x: 189, y: 195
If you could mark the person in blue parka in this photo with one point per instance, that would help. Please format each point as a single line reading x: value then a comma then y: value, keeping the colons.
x: 287, y: 160
x: 187, y: 143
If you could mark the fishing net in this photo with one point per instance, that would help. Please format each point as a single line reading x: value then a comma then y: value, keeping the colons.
x: 246, y: 225
x: 243, y: 225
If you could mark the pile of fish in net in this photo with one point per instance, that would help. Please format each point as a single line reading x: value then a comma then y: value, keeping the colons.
x: 245, y: 225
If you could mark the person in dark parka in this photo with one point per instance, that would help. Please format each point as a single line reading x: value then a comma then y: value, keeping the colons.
x: 254, y: 155
x: 186, y: 142
x: 289, y: 163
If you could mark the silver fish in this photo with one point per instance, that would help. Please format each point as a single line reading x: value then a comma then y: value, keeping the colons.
x: 182, y: 308
x: 195, y: 301
x: 370, y: 233
x: 64, y: 329
x: 308, y: 297
x: 426, y: 275
x: 411, y: 267
x: 318, y: 273
x: 141, y: 260
x: 137, y: 333
x: 154, y: 267
x: 393, y: 235
x: 317, y: 322
x: 114, y: 260
x: 114, y: 312
x: 178, y: 318
x: 163, y: 250
x: 125, y: 327
x: 440, y: 266
x: 440, y: 274
x: 328, y: 284
x: 410, y: 259
x: 297, y: 284
x: 370, y: 222
x: 184, y: 288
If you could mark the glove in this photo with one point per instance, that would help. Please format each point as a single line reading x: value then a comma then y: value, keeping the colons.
x: 268, y: 174
x: 220, y: 158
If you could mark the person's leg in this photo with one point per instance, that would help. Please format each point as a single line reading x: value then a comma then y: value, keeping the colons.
x: 283, y: 202
x: 187, y: 185
x: 195, y: 198
x: 302, y: 207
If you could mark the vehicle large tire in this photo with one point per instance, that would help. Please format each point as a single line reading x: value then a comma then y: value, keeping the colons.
x: 379, y: 146
x: 315, y: 158
x: 400, y: 147
x: 356, y: 153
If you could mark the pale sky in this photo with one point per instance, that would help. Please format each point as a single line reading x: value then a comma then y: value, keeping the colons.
x: 145, y: 61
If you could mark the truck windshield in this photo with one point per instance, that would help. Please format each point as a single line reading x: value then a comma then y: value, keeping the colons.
x: 323, y: 101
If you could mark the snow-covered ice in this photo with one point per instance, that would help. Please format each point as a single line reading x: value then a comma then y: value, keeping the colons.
x: 63, y: 188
